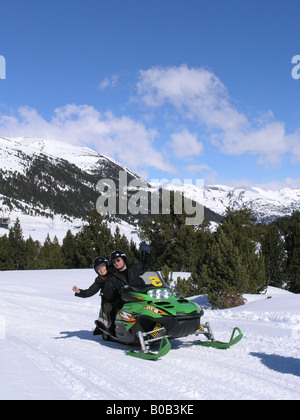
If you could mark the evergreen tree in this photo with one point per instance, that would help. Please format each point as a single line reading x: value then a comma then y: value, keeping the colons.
x: 224, y: 269
x: 32, y: 250
x: 94, y: 240
x: 122, y: 243
x: 240, y: 227
x: 188, y: 287
x: 51, y: 255
x: 134, y: 253
x: 69, y: 250
x: 17, y: 246
x: 173, y: 242
x: 182, y: 287
x: 167, y: 274
x: 292, y: 241
x: 6, y: 258
x: 233, y: 263
x: 184, y: 249
x: 275, y: 256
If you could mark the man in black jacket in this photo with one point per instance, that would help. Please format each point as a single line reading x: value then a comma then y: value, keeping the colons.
x: 129, y: 274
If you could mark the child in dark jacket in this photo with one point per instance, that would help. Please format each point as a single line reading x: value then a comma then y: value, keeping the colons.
x: 107, y: 285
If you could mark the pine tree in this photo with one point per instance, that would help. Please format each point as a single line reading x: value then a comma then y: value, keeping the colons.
x: 167, y: 274
x: 172, y: 241
x: 275, y: 257
x: 6, y: 258
x: 292, y: 241
x: 32, y: 249
x: 182, y: 287
x: 51, y: 255
x: 69, y: 250
x: 95, y: 239
x: 224, y: 269
x: 240, y: 227
x: 121, y: 242
x: 233, y: 263
x: 184, y: 249
x: 17, y: 246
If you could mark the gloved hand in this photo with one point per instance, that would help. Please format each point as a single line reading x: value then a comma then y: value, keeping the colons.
x: 144, y: 247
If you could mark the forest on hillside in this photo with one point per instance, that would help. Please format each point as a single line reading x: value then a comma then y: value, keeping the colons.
x: 240, y: 256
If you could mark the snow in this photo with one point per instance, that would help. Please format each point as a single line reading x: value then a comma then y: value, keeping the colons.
x: 15, y: 155
x: 48, y: 352
x: 83, y: 157
x: 38, y: 227
x: 265, y: 204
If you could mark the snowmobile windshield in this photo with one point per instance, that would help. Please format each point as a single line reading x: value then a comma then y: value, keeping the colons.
x: 153, y: 279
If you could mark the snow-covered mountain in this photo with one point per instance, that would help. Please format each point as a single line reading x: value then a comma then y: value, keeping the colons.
x: 266, y: 205
x: 53, y: 183
x: 14, y: 151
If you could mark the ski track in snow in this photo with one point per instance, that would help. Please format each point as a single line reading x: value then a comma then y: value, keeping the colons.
x: 49, y: 352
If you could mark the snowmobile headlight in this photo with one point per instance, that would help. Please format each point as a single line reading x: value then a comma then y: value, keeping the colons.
x: 160, y: 293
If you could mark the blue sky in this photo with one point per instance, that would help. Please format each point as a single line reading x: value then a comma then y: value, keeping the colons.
x: 181, y: 89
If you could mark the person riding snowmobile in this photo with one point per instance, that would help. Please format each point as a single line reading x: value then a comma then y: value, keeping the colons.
x: 129, y: 274
x: 123, y: 274
x: 108, y: 287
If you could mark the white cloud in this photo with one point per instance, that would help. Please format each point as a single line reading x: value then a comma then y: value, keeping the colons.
x: 109, y: 82
x: 200, y: 96
x: 293, y: 183
x: 185, y: 144
x: 126, y: 140
x: 294, y: 141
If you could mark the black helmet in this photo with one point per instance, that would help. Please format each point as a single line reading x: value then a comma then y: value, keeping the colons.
x: 98, y: 262
x: 117, y: 254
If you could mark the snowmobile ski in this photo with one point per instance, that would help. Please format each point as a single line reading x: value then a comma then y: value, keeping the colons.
x: 220, y: 344
x: 164, y: 348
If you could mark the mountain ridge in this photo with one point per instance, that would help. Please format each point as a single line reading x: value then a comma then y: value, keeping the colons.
x: 49, y: 176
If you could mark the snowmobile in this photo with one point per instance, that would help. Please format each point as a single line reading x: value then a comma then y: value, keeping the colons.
x: 152, y: 313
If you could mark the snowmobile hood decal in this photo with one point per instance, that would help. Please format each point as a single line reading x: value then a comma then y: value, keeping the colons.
x: 155, y: 310
x: 126, y: 316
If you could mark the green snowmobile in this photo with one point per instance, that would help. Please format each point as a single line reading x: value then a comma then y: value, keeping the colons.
x: 152, y: 313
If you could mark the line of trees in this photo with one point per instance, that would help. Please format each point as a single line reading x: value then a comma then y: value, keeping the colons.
x: 241, y: 256
x: 76, y: 251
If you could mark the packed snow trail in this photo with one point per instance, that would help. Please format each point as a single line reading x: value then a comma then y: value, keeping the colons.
x: 47, y: 350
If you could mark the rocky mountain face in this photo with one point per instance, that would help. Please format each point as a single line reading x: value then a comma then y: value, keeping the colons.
x: 40, y: 177
x: 265, y: 205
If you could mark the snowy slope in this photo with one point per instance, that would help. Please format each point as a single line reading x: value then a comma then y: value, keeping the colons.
x: 16, y: 157
x: 266, y: 205
x: 13, y: 151
x: 39, y: 227
x: 47, y: 350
